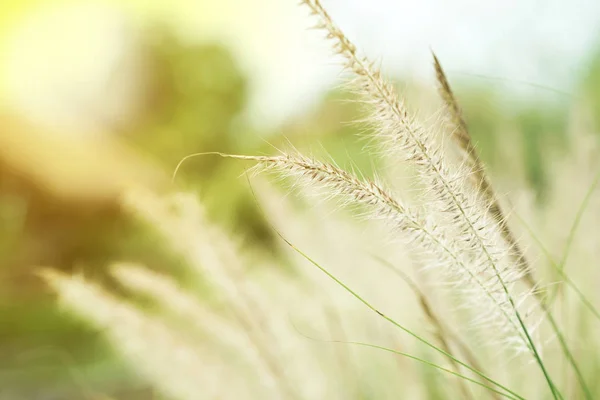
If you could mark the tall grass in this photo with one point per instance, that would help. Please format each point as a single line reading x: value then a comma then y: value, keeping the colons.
x: 474, y: 284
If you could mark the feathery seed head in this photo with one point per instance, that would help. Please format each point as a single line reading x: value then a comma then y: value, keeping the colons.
x: 477, y: 243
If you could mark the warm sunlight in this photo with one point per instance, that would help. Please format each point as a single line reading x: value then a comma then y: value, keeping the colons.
x: 315, y: 199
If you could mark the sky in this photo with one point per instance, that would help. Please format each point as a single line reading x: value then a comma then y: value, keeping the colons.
x: 540, y: 42
x: 544, y: 43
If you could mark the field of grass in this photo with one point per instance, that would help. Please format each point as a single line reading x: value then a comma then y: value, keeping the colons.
x: 397, y: 241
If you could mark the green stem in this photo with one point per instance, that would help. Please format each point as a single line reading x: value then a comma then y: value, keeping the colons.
x: 429, y: 363
x: 392, y: 321
x: 554, y: 264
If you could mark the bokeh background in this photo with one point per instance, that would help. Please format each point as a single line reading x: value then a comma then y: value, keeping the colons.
x: 97, y: 97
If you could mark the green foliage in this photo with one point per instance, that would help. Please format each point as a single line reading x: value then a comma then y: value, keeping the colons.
x: 199, y: 91
x: 539, y: 130
x: 484, y: 116
x: 591, y: 89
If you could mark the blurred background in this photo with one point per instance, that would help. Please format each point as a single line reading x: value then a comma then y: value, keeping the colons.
x: 97, y: 97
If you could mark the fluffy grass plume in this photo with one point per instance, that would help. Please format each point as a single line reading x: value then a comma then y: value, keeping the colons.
x: 462, y: 212
x: 460, y: 133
